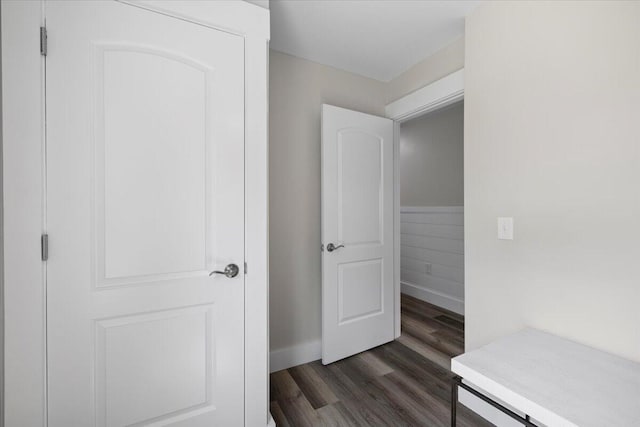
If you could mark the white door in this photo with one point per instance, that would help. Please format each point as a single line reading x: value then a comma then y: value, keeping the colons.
x: 145, y: 178
x: 357, y: 232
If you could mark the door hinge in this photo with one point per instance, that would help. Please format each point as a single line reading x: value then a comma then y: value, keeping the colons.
x: 44, y: 247
x: 43, y: 41
x: 245, y: 268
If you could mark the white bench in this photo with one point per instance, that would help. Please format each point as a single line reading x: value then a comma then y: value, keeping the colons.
x: 554, y: 381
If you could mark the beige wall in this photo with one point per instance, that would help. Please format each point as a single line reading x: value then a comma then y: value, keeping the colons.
x: 552, y: 138
x: 431, y: 159
x: 297, y: 90
x: 440, y: 64
x: 261, y: 3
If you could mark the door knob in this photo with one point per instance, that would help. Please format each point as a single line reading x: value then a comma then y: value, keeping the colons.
x: 230, y: 271
x: 331, y: 247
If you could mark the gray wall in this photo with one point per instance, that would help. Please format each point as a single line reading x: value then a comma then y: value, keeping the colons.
x: 432, y: 159
x: 297, y: 90
x: 552, y: 138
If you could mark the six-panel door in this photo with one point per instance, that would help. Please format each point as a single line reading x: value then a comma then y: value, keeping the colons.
x: 145, y: 193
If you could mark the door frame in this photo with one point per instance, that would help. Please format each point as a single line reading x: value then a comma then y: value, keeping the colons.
x: 434, y: 96
x: 23, y: 274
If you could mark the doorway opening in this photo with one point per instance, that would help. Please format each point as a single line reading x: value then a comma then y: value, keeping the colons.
x: 431, y: 177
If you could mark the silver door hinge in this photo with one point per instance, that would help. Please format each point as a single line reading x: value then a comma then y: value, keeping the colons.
x: 43, y: 41
x: 245, y: 268
x: 44, y: 247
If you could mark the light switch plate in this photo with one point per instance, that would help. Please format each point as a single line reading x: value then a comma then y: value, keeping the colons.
x: 505, y: 228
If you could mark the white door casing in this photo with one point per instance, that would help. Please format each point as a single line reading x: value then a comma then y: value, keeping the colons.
x: 145, y: 196
x: 357, y: 212
x: 435, y: 95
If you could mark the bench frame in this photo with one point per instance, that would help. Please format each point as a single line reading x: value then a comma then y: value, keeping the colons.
x: 456, y: 382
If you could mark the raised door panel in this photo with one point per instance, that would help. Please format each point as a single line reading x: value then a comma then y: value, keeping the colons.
x: 155, y: 366
x: 153, y: 163
x: 360, y: 195
x: 360, y: 290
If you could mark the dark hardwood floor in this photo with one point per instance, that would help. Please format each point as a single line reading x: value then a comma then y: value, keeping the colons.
x: 403, y: 383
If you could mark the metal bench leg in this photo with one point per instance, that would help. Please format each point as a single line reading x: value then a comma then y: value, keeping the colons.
x: 454, y: 399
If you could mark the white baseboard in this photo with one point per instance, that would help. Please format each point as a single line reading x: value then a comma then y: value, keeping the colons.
x: 288, y: 357
x: 433, y: 297
x: 271, y: 422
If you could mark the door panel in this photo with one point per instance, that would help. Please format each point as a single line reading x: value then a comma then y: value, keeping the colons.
x: 152, y: 161
x: 360, y: 290
x: 360, y: 192
x: 145, y: 196
x: 133, y: 360
x: 357, y: 212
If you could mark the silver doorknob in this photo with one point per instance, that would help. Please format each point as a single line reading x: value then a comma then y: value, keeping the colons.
x: 331, y: 247
x: 230, y: 271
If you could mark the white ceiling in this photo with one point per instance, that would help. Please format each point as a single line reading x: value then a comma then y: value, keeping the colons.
x: 374, y: 38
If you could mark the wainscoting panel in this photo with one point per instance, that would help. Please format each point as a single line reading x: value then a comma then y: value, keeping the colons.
x: 432, y: 255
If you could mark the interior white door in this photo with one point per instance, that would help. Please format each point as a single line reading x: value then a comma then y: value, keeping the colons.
x: 357, y: 232
x: 145, y: 196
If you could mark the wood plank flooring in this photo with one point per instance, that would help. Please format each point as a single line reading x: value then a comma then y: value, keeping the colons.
x: 404, y: 383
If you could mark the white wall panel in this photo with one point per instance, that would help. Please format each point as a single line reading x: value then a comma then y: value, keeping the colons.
x: 432, y: 255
